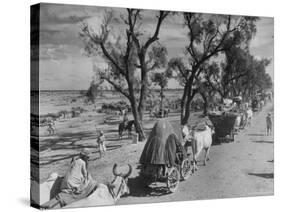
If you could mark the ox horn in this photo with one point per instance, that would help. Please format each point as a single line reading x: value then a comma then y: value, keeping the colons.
x: 114, y: 170
x: 129, y: 172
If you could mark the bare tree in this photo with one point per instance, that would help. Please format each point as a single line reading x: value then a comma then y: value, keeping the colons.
x: 130, y: 55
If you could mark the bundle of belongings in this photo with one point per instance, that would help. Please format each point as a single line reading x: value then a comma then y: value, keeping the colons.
x: 201, y: 126
x: 227, y: 102
x: 237, y: 99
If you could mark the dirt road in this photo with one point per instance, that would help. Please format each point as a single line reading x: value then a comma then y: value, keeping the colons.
x: 241, y: 168
x: 244, y: 167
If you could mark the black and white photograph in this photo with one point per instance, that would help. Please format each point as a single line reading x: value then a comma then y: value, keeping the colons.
x: 133, y: 106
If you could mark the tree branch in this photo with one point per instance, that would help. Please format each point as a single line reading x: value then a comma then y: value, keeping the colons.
x: 117, y: 87
x: 161, y: 17
x: 108, y: 56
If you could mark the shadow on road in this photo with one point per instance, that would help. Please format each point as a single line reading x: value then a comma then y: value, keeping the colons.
x: 263, y: 175
x: 261, y: 141
x: 256, y: 134
x: 138, y: 188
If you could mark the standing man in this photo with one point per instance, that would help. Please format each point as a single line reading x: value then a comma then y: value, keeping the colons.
x: 101, y: 143
x: 268, y: 124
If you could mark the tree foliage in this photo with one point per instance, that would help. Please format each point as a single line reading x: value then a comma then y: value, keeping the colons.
x: 239, y: 74
x: 130, y: 55
x: 207, y: 37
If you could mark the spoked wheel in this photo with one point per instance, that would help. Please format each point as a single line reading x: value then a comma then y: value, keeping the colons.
x: 186, y: 169
x: 173, y: 179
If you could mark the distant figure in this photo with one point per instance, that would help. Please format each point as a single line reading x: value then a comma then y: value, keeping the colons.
x: 261, y: 104
x: 125, y: 118
x: 268, y: 124
x: 101, y: 143
x: 246, y: 105
x: 249, y: 114
x: 76, y: 185
x: 50, y: 129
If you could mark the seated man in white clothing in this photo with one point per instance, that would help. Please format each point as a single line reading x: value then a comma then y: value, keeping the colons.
x: 76, y: 185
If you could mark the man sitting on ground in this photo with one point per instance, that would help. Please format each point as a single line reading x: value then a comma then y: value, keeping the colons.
x: 76, y: 185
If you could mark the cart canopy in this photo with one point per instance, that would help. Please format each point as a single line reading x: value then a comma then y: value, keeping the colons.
x: 162, y: 145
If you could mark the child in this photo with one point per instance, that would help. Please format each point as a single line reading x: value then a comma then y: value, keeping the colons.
x: 268, y: 124
x: 101, y: 143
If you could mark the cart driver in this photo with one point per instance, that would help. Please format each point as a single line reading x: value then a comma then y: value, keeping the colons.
x: 179, y: 154
x: 187, y: 137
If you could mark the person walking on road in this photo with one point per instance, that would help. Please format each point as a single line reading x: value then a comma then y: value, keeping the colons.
x: 101, y: 143
x: 268, y: 124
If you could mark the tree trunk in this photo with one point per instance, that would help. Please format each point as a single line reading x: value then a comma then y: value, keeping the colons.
x: 205, y: 106
x: 138, y: 122
x: 186, y: 115
x: 161, y: 102
x: 183, y: 101
x: 144, y: 80
x: 136, y: 114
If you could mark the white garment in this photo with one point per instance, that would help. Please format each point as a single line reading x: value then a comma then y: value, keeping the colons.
x: 186, y: 133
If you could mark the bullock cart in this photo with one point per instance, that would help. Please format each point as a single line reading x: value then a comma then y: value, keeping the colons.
x: 160, y: 114
x: 255, y: 105
x: 224, y: 125
x: 164, y: 159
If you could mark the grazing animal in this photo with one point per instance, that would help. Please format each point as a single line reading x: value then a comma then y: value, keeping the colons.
x: 103, y: 195
x: 125, y: 127
x: 201, y: 140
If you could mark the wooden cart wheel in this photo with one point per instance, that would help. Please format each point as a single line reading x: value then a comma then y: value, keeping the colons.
x: 185, y: 169
x: 173, y: 179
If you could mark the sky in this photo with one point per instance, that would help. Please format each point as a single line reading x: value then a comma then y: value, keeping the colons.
x: 64, y: 66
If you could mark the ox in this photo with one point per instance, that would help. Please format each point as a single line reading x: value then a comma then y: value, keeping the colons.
x: 201, y: 140
x: 237, y: 123
x: 103, y: 194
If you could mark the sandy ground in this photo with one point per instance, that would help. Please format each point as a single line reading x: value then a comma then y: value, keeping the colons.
x: 241, y: 168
